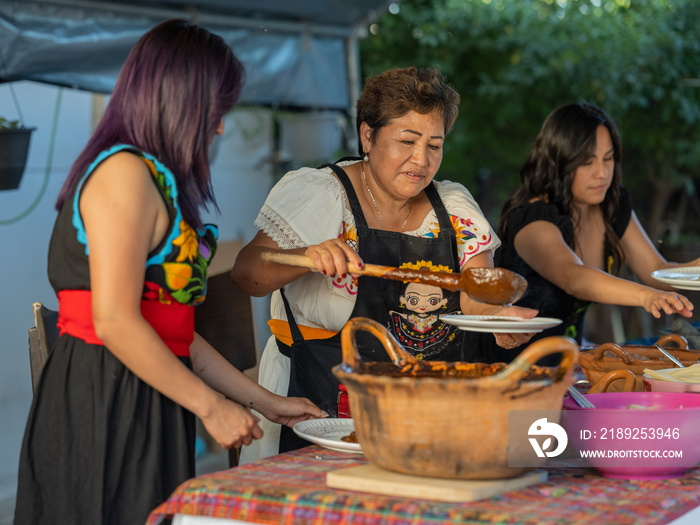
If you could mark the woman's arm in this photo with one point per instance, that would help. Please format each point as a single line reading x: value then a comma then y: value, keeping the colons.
x: 541, y: 245
x: 642, y: 256
x: 221, y: 375
x: 258, y: 278
x: 305, y: 209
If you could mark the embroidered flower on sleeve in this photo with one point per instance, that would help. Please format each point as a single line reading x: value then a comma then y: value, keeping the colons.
x: 187, y: 241
x: 349, y: 283
x: 349, y: 235
x: 469, y: 238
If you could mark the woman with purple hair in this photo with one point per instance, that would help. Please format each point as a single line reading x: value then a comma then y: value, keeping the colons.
x: 111, y: 430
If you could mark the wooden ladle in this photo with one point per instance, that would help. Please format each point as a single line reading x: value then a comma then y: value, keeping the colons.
x: 486, y: 285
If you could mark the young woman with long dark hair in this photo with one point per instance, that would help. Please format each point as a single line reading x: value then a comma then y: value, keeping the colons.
x: 570, y: 226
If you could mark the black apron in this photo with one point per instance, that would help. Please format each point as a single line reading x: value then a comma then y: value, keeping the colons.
x: 410, y: 311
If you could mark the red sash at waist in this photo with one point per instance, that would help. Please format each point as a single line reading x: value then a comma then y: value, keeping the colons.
x: 174, y: 322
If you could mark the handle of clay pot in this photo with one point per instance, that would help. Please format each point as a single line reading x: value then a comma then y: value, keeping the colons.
x: 604, y: 382
x: 536, y: 351
x: 615, y: 349
x: 348, y: 339
x: 681, y: 341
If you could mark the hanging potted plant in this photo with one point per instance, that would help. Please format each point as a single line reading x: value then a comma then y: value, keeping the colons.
x: 14, y: 146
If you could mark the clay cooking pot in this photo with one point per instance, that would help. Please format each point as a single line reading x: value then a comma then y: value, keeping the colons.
x: 447, y: 420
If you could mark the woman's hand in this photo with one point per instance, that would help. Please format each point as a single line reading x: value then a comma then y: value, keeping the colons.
x: 655, y: 301
x: 471, y: 307
x: 516, y: 339
x: 332, y: 257
x: 290, y: 410
x: 259, y: 278
x: 230, y: 424
x: 234, y: 423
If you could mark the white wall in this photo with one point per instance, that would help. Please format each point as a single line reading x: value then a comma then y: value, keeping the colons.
x: 24, y: 242
x: 242, y: 177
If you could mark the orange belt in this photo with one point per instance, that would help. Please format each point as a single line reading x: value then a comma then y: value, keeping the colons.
x: 280, y: 329
x: 174, y: 322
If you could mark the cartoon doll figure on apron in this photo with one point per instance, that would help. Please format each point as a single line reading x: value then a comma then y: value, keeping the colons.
x: 417, y: 324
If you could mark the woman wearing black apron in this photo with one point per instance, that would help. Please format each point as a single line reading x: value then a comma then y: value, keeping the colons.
x: 383, y: 208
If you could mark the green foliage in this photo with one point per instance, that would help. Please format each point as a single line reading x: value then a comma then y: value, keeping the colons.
x: 515, y: 61
x: 9, y: 124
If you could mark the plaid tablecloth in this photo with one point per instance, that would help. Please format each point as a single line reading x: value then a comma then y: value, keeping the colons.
x: 290, y: 489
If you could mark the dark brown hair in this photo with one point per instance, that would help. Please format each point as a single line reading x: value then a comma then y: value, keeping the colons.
x: 566, y: 141
x: 395, y: 92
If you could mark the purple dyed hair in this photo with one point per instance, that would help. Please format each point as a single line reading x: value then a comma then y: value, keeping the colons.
x: 174, y: 88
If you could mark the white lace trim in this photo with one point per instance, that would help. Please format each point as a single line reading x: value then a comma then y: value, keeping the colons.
x: 273, y: 225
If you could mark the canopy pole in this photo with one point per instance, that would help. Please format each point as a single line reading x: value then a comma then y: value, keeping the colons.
x: 354, y: 78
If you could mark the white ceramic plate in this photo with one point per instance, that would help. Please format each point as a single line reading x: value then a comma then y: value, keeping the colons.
x: 328, y: 433
x: 500, y: 324
x: 687, y: 278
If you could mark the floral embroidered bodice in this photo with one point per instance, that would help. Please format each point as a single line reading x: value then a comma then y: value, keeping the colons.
x: 175, y: 271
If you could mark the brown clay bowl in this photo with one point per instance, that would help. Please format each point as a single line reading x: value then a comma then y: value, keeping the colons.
x: 595, y: 361
x: 447, y: 420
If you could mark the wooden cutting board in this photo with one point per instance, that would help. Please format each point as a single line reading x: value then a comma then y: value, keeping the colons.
x: 373, y: 479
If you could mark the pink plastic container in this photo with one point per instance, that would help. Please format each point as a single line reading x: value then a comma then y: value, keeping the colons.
x: 628, y: 440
